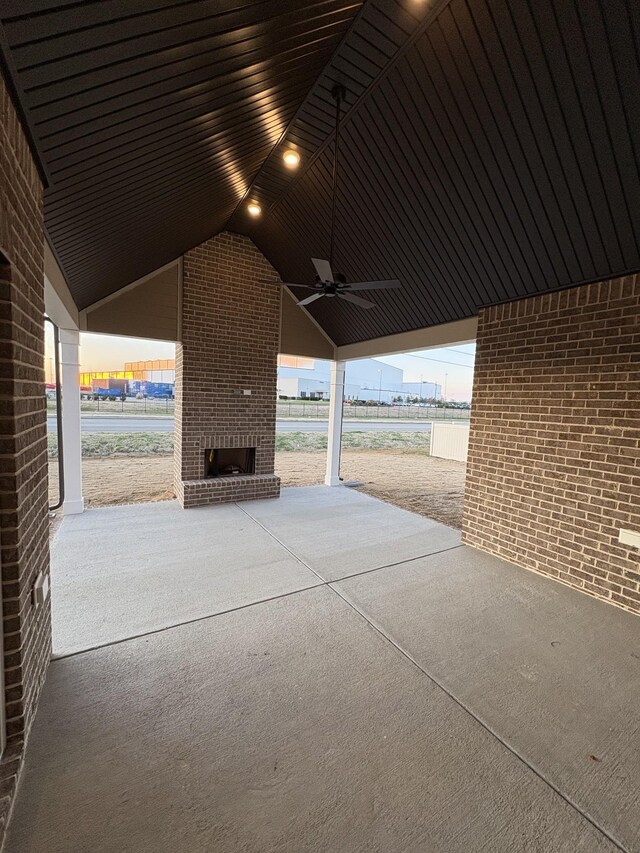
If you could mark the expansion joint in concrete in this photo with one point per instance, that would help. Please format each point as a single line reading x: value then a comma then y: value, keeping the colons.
x: 265, y: 600
x: 464, y: 707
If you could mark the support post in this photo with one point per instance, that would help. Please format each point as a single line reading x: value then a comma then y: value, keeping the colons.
x: 71, y: 427
x: 334, y: 443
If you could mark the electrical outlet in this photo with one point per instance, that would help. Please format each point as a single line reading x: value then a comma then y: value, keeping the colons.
x: 40, y: 589
x: 629, y: 537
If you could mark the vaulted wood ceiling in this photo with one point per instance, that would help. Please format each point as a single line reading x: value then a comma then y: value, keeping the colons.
x: 152, y: 118
x: 491, y: 148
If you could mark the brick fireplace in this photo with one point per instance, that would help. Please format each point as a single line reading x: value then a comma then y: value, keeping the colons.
x: 226, y: 369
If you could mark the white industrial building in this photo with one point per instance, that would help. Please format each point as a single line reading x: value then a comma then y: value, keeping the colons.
x: 366, y: 379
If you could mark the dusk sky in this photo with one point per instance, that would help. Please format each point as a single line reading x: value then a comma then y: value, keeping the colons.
x: 108, y: 352
x: 450, y: 366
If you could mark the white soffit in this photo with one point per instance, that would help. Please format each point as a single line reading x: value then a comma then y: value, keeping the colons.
x: 444, y: 335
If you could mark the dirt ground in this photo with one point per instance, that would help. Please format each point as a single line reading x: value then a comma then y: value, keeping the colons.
x: 422, y: 484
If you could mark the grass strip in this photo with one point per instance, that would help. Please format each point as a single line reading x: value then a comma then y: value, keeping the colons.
x: 158, y: 443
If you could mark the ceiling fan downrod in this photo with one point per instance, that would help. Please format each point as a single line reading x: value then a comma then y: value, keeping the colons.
x: 328, y: 283
x: 338, y: 93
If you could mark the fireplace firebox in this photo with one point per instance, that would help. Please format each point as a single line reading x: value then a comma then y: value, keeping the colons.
x: 229, y: 461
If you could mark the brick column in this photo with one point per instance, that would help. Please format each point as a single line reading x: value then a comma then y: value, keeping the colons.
x: 226, y: 369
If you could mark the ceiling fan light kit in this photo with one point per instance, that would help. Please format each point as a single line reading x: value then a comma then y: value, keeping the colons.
x: 327, y: 283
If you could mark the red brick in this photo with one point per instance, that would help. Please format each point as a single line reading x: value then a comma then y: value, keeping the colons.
x: 554, y: 443
x: 230, y: 336
x: 24, y: 528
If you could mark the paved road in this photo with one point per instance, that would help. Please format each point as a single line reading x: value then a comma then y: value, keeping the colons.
x: 156, y: 424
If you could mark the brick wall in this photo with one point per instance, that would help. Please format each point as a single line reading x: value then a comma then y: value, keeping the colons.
x: 24, y: 526
x: 553, y: 469
x: 230, y: 336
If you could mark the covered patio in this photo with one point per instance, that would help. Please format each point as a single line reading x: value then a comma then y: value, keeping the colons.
x: 323, y: 672
x: 245, y: 670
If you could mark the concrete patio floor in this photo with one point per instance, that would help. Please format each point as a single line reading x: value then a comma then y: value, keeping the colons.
x: 324, y: 672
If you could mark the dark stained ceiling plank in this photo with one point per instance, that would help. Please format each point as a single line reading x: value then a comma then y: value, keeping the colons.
x: 194, y: 159
x: 510, y: 125
x: 473, y: 176
x: 102, y: 102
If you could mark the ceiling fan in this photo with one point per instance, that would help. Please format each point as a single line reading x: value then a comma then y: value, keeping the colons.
x: 328, y: 283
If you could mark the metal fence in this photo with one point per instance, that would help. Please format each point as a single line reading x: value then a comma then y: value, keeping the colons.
x: 296, y: 409
x: 123, y: 407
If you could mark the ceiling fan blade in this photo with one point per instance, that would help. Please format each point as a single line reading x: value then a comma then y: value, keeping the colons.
x: 362, y: 303
x: 374, y: 285
x: 288, y: 284
x: 310, y: 299
x: 306, y: 286
x: 323, y: 268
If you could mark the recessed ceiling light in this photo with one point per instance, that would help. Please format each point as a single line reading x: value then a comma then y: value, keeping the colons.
x: 291, y: 159
x: 254, y: 209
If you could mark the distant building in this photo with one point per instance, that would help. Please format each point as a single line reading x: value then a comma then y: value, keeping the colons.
x: 309, y: 378
x: 298, y: 378
x: 152, y: 370
x: 366, y: 379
